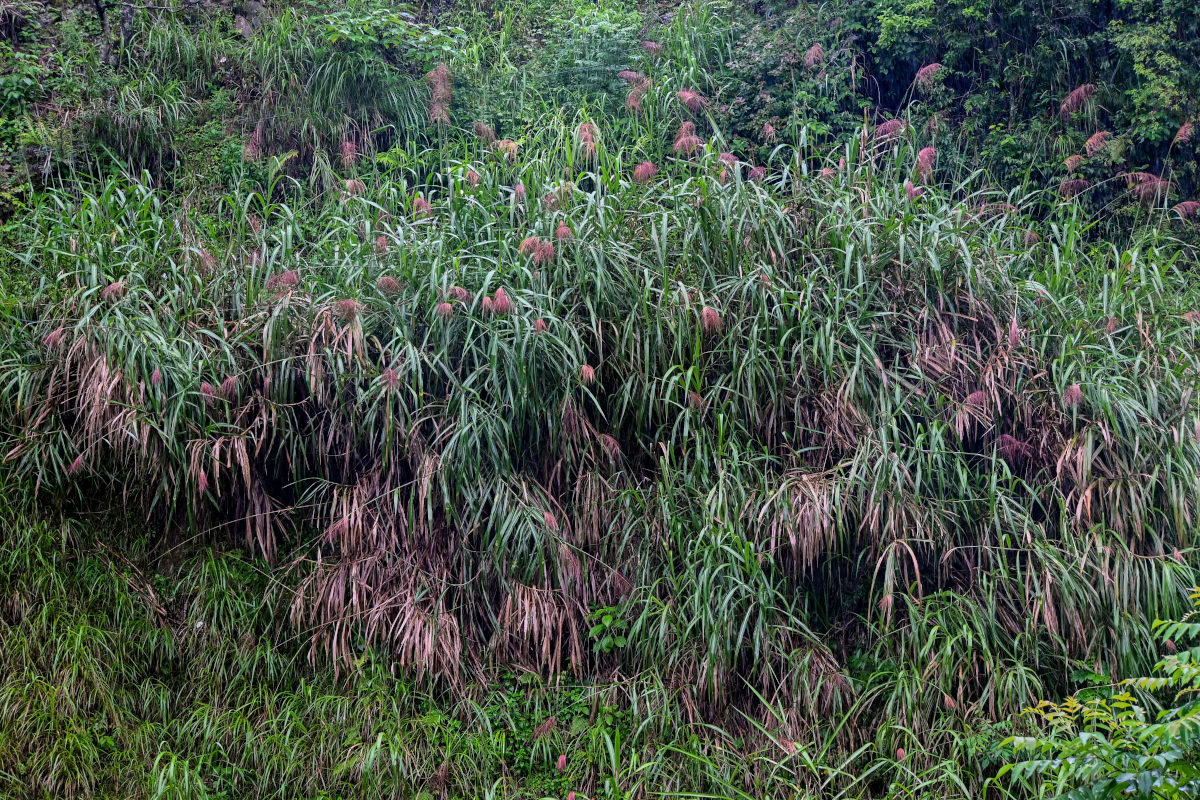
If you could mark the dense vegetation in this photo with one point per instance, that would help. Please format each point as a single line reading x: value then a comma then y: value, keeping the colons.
x: 529, y: 399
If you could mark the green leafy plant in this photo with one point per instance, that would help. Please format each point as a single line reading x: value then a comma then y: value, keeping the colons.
x: 1116, y: 745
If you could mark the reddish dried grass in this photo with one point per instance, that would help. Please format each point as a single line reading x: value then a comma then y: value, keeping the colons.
x: 347, y: 309
x: 710, y: 320
x: 484, y: 131
x: 282, y: 282
x: 644, y: 171
x: 692, y: 100
x: 814, y: 55
x: 1096, y: 142
x: 507, y: 148
x: 1073, y: 396
x: 1077, y: 99
x: 889, y: 129
x: 1073, y: 187
x: 348, y: 153
x: 926, y: 161
x: 544, y: 254
x: 1188, y: 209
x: 388, y: 285
x: 927, y: 74
x: 501, y: 304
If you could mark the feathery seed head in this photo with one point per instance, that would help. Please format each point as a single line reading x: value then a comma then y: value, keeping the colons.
x: 346, y: 308
x: 484, y: 131
x: 381, y: 244
x: 529, y: 245
x: 692, y: 100
x: 1073, y: 396
x: 926, y: 160
x: 1096, y: 142
x: 1188, y: 209
x: 507, y: 148
x: 633, y: 100
x: 911, y: 191
x: 757, y: 174
x: 768, y: 132
x: 644, y: 171
x: 114, y: 291
x: 54, y: 338
x: 156, y: 377
x: 501, y: 304
x: 207, y: 392
x: 814, y: 55
x: 472, y: 178
x: 539, y: 325
x: 544, y: 254
x: 552, y: 524
x: 587, y: 374
x: 1012, y: 449
x: 354, y: 186
x: 1073, y: 187
x: 1076, y: 99
x: 688, y: 144
x: 710, y: 320
x: 485, y: 305
x: 563, y: 232
x: 653, y: 48
x: 229, y: 387
x: 348, y: 153
x: 927, y: 74
x: 445, y: 310
x: 283, y: 281
x: 388, y: 285
x: 889, y: 129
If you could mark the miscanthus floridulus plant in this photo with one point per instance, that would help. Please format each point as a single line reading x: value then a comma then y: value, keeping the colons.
x: 762, y: 449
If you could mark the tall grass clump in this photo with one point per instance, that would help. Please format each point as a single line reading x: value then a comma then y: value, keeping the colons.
x: 764, y: 454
